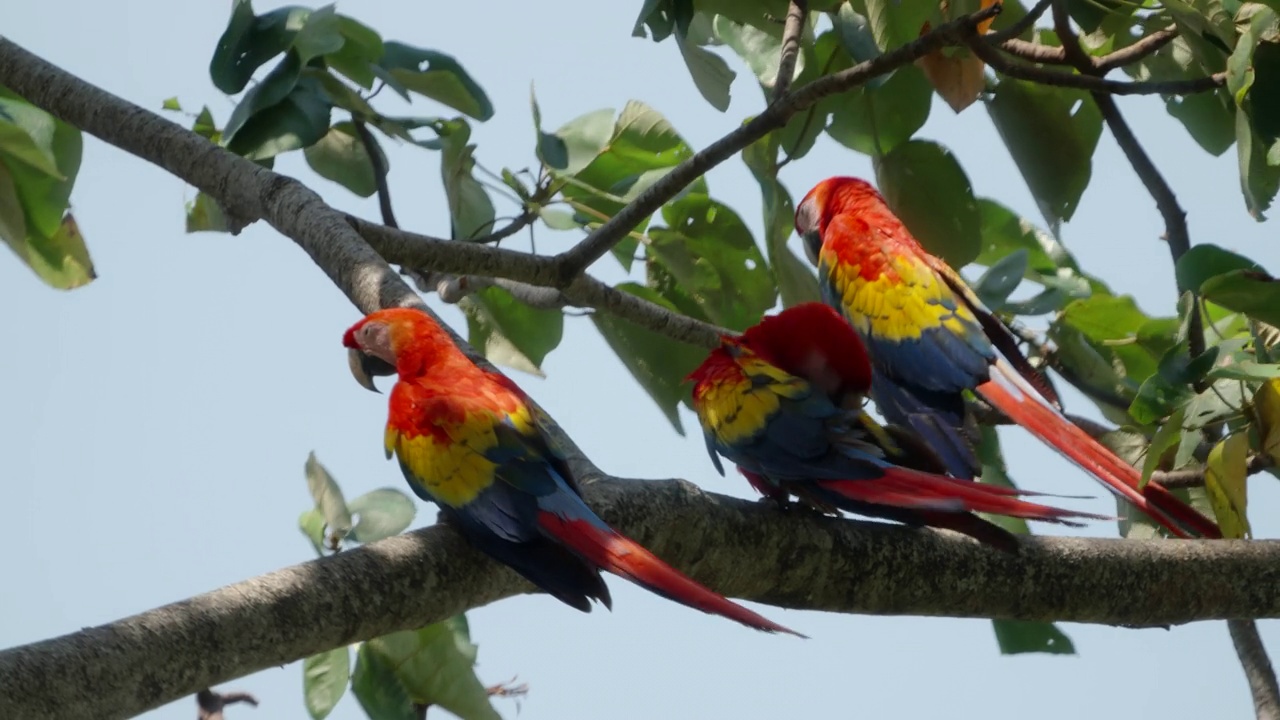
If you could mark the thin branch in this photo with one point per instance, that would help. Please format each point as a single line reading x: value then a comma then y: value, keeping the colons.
x: 1257, y: 668
x: 379, y: 171
x: 1194, y: 477
x: 1175, y: 218
x: 1148, y: 45
x: 791, y: 34
x: 1020, y: 25
x: 742, y: 548
x: 599, y: 242
x: 520, y: 222
x: 1034, y: 52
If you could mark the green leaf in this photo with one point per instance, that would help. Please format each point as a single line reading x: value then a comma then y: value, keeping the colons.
x: 761, y: 49
x: 470, y: 208
x: 1245, y: 370
x: 925, y: 186
x: 1252, y: 292
x: 875, y: 120
x: 1051, y: 145
x: 657, y: 362
x: 320, y: 35
x: 1021, y: 636
x: 311, y: 523
x: 711, y: 74
x: 1220, y: 401
x: 204, y: 213
x: 1204, y: 261
x: 1208, y: 117
x: 715, y: 260
x: 895, y: 23
x: 1001, y: 279
x: 442, y: 79
x: 509, y: 332
x: 61, y: 260
x: 13, y: 222
x: 43, y: 156
x: 572, y: 147
x: 171, y: 104
x: 1258, y: 114
x: 1004, y: 231
x: 380, y: 514
x: 250, y: 41
x: 340, y: 156
x: 380, y: 693
x: 361, y: 48
x: 796, y: 282
x: 1225, y: 479
x: 328, y: 496
x: 324, y: 680
x: 436, y: 666
x: 856, y: 37
x: 1165, y: 438
x: 300, y: 119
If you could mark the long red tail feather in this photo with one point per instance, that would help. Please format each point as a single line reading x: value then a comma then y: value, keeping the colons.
x: 1064, y: 436
x: 626, y: 558
x: 915, y: 490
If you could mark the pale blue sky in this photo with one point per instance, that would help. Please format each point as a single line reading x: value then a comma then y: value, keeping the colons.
x: 154, y: 425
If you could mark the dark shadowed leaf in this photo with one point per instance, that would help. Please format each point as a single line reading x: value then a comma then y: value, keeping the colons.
x: 796, y: 281
x: 1168, y: 436
x: 657, y: 362
x: 925, y: 186
x: 378, y: 690
x: 710, y: 252
x: 328, y: 496
x: 324, y: 680
x: 436, y: 667
x: 509, y: 332
x: 875, y: 120
x: 341, y: 157
x: 204, y: 213
x: 298, y: 120
x: 1253, y: 77
x: 1001, y: 279
x: 895, y: 23
x: 1051, y: 133
x: 470, y: 209
x: 380, y: 514
x: 437, y: 76
x: 250, y: 41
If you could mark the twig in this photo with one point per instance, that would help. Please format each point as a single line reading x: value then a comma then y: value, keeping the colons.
x: 1194, y: 477
x: 1015, y: 69
x: 1019, y: 26
x: 210, y: 704
x: 1257, y: 668
x: 599, y: 242
x: 1057, y: 55
x: 521, y: 221
x: 1175, y: 218
x: 791, y: 34
x: 379, y: 171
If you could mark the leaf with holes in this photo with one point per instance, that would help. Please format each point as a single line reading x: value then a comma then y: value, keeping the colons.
x: 250, y: 41
x: 437, y: 76
x: 926, y: 187
x: 436, y: 666
x: 657, y: 362
x: 509, y: 332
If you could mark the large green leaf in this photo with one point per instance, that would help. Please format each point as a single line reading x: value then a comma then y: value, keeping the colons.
x: 470, y: 210
x: 328, y: 496
x: 1051, y: 144
x: 796, y: 281
x: 926, y: 187
x: 340, y: 156
x: 250, y: 41
x: 509, y: 332
x: 380, y: 514
x: 361, y: 48
x: 657, y: 362
x: 715, y: 260
x: 877, y: 120
x: 1254, y: 293
x: 436, y: 667
x: 760, y: 48
x: 711, y: 74
x: 1207, y: 260
x: 380, y: 693
x: 298, y: 120
x: 324, y: 680
x: 895, y: 23
x: 437, y: 76
x: 1255, y: 62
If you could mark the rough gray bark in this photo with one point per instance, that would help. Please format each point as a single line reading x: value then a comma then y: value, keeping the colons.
x: 1257, y: 668
x: 795, y: 561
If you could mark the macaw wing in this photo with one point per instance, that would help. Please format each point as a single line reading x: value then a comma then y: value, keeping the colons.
x: 916, y: 327
x: 997, y: 332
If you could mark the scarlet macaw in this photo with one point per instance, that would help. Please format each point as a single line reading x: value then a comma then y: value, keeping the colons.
x: 930, y: 339
x: 784, y: 402
x: 467, y: 440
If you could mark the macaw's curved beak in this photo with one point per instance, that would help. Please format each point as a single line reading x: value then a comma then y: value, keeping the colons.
x: 364, y: 368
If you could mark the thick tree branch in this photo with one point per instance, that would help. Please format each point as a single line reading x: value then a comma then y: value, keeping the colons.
x: 792, y: 32
x: 744, y: 549
x: 604, y: 237
x: 1257, y: 668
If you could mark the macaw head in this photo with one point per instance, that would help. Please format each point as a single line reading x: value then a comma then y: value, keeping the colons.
x: 827, y: 199
x: 811, y: 340
x: 378, y: 344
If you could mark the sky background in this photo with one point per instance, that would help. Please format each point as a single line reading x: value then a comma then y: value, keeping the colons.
x: 148, y: 453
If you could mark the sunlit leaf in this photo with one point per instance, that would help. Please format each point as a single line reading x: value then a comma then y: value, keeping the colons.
x: 436, y: 667
x: 1266, y: 404
x: 509, y: 332
x: 1225, y: 480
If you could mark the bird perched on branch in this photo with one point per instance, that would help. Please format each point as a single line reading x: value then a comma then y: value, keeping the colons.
x: 931, y: 339
x: 467, y: 439
x: 784, y: 402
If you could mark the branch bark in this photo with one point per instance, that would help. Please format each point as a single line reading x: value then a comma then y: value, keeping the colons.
x: 796, y: 560
x: 1257, y: 668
